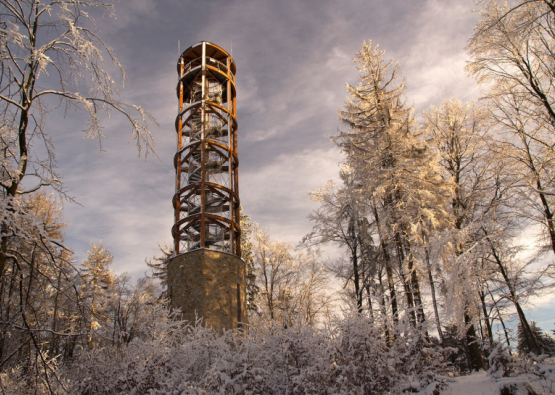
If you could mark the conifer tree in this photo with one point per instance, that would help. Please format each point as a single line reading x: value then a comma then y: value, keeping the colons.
x: 98, y: 280
x: 159, y: 264
x: 394, y: 166
x: 247, y: 256
x: 546, y: 342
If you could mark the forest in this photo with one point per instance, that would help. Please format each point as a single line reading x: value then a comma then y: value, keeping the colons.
x: 444, y: 219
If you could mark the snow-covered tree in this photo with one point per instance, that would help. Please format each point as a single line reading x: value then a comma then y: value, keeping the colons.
x: 341, y: 219
x: 513, y: 54
x: 247, y: 254
x: 98, y: 281
x: 459, y: 133
x: 292, y: 283
x: 51, y: 56
x: 37, y: 292
x: 545, y: 341
x: 395, y: 168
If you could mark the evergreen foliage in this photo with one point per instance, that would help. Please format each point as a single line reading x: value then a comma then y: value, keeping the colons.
x: 159, y: 264
x: 545, y: 341
x: 248, y: 256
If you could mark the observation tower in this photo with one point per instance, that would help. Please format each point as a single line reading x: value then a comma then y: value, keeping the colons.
x: 206, y: 277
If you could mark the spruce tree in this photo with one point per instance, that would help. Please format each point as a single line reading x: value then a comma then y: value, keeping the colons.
x: 546, y: 342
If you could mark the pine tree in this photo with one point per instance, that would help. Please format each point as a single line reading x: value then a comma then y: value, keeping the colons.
x: 98, y: 280
x: 247, y: 256
x: 159, y: 264
x: 546, y: 342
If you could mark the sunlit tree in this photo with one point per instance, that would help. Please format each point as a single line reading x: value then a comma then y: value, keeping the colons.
x: 394, y: 167
x: 52, y: 56
x: 513, y: 55
x: 97, y: 288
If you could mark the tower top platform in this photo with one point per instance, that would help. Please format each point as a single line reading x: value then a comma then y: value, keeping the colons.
x: 212, y: 51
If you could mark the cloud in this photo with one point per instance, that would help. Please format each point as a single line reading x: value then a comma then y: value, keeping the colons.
x: 123, y: 200
x: 434, y: 63
x: 281, y: 189
x: 293, y: 60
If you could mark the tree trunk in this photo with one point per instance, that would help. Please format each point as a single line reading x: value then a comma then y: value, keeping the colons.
x: 486, y: 316
x: 405, y: 280
x: 7, y: 316
x: 433, y: 291
x: 369, y: 299
x: 387, y: 330
x: 502, y: 322
x: 388, y: 267
x: 547, y: 212
x: 54, y: 337
x: 354, y: 259
x: 474, y: 354
x: 415, y: 285
x: 530, y: 337
x: 26, y: 100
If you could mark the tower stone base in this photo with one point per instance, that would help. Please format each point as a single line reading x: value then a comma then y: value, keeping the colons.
x: 210, y: 285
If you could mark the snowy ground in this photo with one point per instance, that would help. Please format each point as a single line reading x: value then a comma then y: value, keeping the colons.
x: 482, y: 383
x: 477, y: 384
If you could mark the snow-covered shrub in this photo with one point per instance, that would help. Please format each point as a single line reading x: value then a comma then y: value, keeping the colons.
x: 32, y: 379
x: 501, y: 363
x: 363, y: 362
x: 529, y: 375
x: 454, y: 351
x: 351, y: 356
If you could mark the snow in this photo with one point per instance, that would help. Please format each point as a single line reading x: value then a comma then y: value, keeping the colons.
x: 482, y: 383
x: 479, y: 383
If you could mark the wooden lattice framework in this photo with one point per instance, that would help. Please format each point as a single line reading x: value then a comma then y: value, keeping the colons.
x: 206, y: 200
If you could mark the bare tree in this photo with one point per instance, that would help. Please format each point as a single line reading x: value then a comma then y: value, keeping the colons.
x: 292, y: 283
x: 37, y: 293
x: 339, y: 220
x: 52, y: 56
x: 513, y: 53
x: 131, y: 306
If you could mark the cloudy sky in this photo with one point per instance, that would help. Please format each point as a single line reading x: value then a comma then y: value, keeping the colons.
x: 293, y: 59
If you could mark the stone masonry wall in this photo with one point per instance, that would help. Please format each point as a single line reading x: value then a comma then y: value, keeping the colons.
x: 208, y: 284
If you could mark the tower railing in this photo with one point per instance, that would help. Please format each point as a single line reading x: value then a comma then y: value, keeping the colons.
x: 206, y: 201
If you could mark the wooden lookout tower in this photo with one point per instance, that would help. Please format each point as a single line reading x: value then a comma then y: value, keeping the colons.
x: 206, y: 277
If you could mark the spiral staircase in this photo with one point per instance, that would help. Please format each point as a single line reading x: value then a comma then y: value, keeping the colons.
x: 206, y: 202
